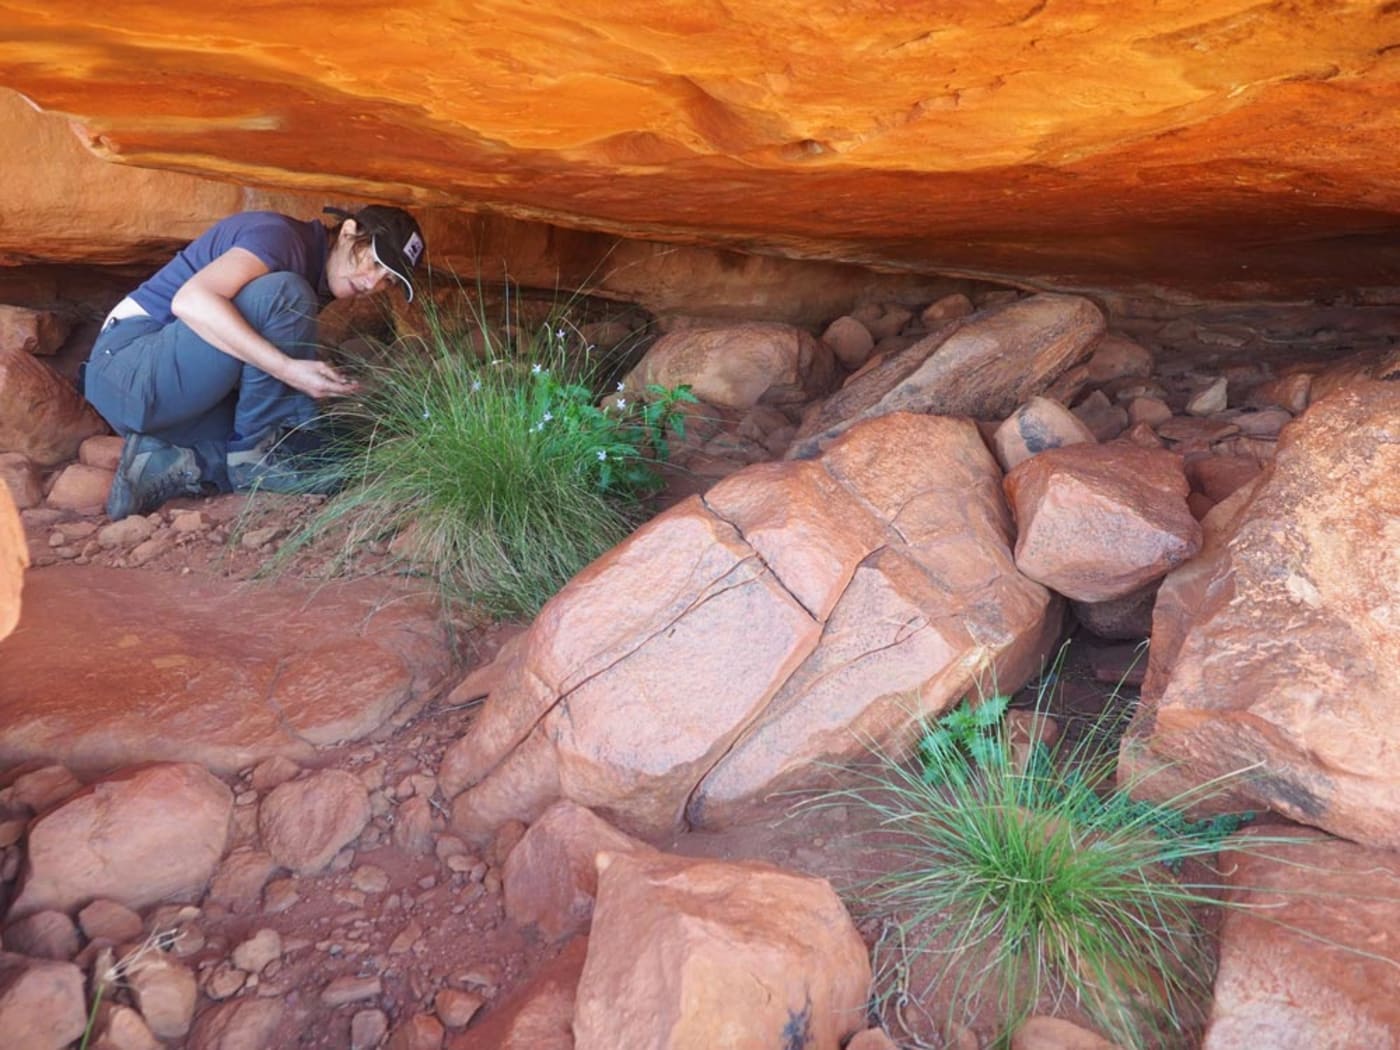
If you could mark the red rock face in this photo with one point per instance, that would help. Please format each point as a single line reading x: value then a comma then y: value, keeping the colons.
x: 1276, y: 648
x: 1205, y: 145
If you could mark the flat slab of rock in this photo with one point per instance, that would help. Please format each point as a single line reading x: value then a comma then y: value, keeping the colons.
x: 1311, y: 960
x: 994, y: 361
x: 1278, y: 646
x: 110, y: 667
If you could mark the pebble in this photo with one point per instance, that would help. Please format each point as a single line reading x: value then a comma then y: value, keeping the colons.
x: 344, y: 990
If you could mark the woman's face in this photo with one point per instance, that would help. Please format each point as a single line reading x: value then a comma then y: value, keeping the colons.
x: 351, y: 269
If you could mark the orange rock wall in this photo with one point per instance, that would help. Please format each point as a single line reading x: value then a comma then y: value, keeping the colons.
x: 1220, y: 145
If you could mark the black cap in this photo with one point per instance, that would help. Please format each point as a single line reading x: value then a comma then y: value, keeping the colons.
x: 396, y: 242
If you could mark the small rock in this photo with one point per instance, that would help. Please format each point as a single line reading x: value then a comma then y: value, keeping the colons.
x: 187, y: 522
x: 368, y: 1029
x: 41, y: 1003
x: 223, y: 981
x: 280, y: 895
x: 304, y: 823
x: 413, y: 826
x: 257, y: 951
x: 1209, y: 401
x: 148, y: 551
x: 946, y: 309
x: 350, y: 989
x: 125, y: 1029
x: 103, y: 451
x: 1052, y: 1033
x: 871, y: 1039
x: 240, y: 879
x: 272, y: 773
x: 43, y: 935
x: 243, y: 1024
x: 45, y: 788
x: 421, y: 1032
x: 850, y: 341
x: 407, y: 938
x: 454, y: 1008
x: 368, y: 878
x: 253, y: 539
x: 165, y: 993
x: 125, y: 533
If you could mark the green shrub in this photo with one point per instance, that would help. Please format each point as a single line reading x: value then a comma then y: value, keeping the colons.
x: 490, y: 451
x: 1021, y: 887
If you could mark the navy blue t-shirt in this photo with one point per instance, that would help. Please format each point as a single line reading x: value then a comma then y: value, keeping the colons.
x: 284, y: 244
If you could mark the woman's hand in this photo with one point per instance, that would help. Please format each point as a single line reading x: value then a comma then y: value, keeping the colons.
x: 316, y: 378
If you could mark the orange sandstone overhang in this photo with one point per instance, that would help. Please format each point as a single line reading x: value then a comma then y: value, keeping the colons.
x: 1223, y: 147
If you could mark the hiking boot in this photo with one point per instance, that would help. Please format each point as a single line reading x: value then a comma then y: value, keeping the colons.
x: 149, y: 473
x: 293, y: 460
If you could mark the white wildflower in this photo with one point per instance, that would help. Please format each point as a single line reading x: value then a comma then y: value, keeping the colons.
x: 622, y: 402
x: 621, y: 385
x: 548, y: 417
x: 602, y: 454
x: 536, y: 368
x: 476, y: 385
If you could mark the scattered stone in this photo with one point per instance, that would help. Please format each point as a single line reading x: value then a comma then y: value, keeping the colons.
x: 368, y: 1029
x: 124, y: 1029
x: 406, y: 939
x: 350, y: 989
x: 1187, y: 430
x: 1052, y: 1033
x: 739, y: 366
x: 164, y: 992
x: 37, y: 332
x: 708, y: 953
x: 420, y: 1032
x: 255, y: 539
x: 1210, y: 400
x: 1149, y: 410
x: 148, y: 551
x: 240, y: 879
x: 125, y: 533
x: 272, y: 773
x: 413, y: 826
x: 1037, y: 425
x: 540, y: 1015
x: 22, y: 478
x: 982, y: 368
x: 1116, y: 357
x: 455, y: 1009
x: 949, y: 308
x: 1217, y: 477
x: 1309, y: 957
x: 280, y: 895
x: 243, y: 1024
x: 1290, y: 392
x: 189, y: 523
x: 1097, y: 522
x: 1128, y: 618
x: 550, y: 878
x: 304, y: 823
x: 368, y: 878
x: 136, y: 838
x: 1102, y: 417
x: 41, y: 1003
x: 224, y: 981
x: 850, y: 341
x: 257, y: 951
x: 43, y: 935
x: 103, y: 452
x: 42, y: 789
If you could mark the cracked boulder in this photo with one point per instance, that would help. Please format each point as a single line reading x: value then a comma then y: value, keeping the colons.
x: 111, y: 668
x: 746, y: 642
x: 14, y: 558
x: 1278, y: 646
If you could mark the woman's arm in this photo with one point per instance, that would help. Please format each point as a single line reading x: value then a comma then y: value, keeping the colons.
x: 205, y: 303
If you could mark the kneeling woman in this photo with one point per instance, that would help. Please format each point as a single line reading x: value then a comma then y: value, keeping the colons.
x: 208, y: 366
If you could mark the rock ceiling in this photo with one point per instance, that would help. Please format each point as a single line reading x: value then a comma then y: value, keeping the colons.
x: 1213, y: 146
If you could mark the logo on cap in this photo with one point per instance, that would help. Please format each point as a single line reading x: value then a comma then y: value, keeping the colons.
x: 413, y: 248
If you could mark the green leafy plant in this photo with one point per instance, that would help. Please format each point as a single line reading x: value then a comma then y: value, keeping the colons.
x: 1029, y: 884
x: 500, y: 458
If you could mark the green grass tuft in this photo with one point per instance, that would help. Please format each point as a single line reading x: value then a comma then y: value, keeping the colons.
x: 1022, y: 888
x: 491, y: 452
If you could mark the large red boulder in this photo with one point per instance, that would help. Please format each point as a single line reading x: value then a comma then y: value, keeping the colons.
x: 694, y: 953
x: 743, y: 643
x: 1309, y: 952
x: 1277, y: 649
x: 1097, y: 522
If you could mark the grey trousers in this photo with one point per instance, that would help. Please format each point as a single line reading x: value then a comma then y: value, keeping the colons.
x: 145, y: 377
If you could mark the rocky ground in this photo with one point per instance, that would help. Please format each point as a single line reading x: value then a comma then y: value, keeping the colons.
x: 363, y: 898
